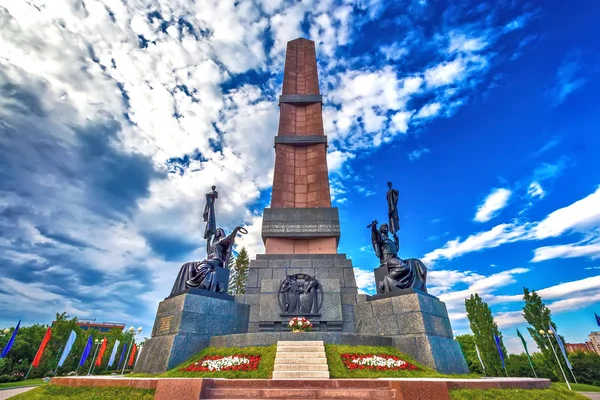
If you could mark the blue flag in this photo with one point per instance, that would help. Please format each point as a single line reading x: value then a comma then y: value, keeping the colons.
x: 11, y: 341
x: 122, y: 355
x: 86, y: 351
x: 497, y: 339
x: 67, y: 349
x: 597, y: 319
x: 113, y: 354
x: 562, y: 347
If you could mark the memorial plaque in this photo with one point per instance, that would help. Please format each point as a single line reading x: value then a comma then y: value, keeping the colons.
x: 165, y: 323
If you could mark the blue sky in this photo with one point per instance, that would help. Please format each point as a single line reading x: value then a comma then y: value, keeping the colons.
x: 116, y: 118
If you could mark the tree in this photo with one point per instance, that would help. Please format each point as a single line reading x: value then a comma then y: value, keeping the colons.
x: 586, y: 367
x: 538, y: 315
x: 239, y: 273
x: 484, y: 328
x: 467, y: 344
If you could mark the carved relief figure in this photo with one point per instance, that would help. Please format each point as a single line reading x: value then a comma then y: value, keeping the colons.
x: 300, y: 294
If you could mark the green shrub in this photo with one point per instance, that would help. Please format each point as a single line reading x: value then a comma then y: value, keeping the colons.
x: 10, y: 378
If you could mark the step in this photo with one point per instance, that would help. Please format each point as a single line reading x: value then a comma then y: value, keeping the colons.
x: 300, y: 343
x: 293, y: 383
x: 300, y: 348
x: 299, y: 354
x: 294, y: 393
x: 300, y: 374
x: 281, y: 360
x: 301, y: 367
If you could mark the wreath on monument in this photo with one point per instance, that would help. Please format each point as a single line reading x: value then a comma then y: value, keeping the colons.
x: 300, y: 324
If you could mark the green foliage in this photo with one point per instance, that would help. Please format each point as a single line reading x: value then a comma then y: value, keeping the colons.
x: 54, y: 392
x: 29, y: 338
x: 518, y: 365
x: 484, y: 328
x: 239, y: 273
x: 338, y: 370
x: 555, y: 392
x: 264, y: 371
x: 539, y: 318
x: 581, y: 387
x: 586, y: 367
x: 467, y: 344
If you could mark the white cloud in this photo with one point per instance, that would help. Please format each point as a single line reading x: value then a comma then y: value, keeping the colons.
x: 365, y: 280
x: 417, y: 154
x: 566, y: 251
x: 429, y: 110
x: 582, y: 215
x: 445, y: 74
x: 570, y: 77
x: 535, y: 190
x: 494, y: 202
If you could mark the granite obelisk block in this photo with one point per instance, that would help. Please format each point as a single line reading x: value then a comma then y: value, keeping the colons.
x: 418, y: 325
x: 184, y: 325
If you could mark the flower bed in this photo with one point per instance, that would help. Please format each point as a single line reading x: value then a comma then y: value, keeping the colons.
x: 224, y: 363
x: 379, y: 362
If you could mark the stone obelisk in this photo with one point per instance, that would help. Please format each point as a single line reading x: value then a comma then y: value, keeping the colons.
x: 300, y: 219
x: 300, y: 229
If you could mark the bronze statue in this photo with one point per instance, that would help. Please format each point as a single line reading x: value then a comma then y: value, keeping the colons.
x: 401, y: 274
x: 208, y: 216
x: 202, y: 274
x: 392, y: 201
x: 300, y: 294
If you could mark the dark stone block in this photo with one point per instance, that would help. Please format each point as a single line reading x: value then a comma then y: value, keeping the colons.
x: 300, y: 256
x: 322, y: 263
x: 349, y: 277
x: 382, y: 308
x: 266, y: 273
x: 304, y: 140
x: 283, y: 263
x: 301, y: 98
x: 252, y: 280
x: 302, y: 264
x: 258, y: 264
x: 300, y: 222
x: 342, y: 263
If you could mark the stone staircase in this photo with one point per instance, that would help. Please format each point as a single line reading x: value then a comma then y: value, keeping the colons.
x: 300, y: 360
x: 299, y: 389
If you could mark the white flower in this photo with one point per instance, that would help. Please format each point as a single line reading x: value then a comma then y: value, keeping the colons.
x: 218, y: 365
x: 377, y: 361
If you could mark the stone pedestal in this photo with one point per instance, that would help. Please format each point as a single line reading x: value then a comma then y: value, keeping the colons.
x: 184, y: 325
x: 333, y: 271
x: 418, y: 325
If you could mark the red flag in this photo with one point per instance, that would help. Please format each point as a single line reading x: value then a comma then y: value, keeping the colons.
x: 101, y: 353
x: 38, y: 355
x: 132, y: 357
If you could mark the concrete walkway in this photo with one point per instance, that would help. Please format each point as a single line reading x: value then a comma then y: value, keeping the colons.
x: 8, y: 393
x: 591, y: 395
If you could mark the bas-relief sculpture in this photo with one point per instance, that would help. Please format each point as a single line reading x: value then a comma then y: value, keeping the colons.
x: 202, y: 274
x: 401, y: 274
x: 300, y: 294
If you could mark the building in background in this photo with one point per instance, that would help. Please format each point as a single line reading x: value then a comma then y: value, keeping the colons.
x: 575, y: 347
x: 87, y: 324
x: 595, y: 341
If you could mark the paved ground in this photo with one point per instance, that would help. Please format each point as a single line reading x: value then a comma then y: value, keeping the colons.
x: 593, y: 396
x: 8, y: 393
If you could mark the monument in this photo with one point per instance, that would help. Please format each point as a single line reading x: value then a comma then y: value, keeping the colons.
x: 301, y: 273
x: 198, y: 306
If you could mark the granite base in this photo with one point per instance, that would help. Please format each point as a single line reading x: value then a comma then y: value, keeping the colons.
x: 269, y: 338
x: 184, y: 325
x: 418, y: 325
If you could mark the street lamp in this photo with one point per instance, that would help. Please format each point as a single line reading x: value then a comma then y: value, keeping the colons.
x: 97, y: 342
x: 5, y: 332
x: 133, y: 333
x: 547, y: 334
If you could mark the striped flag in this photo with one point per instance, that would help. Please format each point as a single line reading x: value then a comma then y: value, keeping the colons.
x: 111, y: 360
x: 10, y: 341
x: 86, y: 351
x: 67, y: 350
x: 497, y: 339
x: 40, y: 352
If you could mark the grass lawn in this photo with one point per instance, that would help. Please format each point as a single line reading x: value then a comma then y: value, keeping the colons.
x: 556, y: 392
x: 581, y: 387
x: 338, y: 370
x: 28, y: 382
x: 264, y: 371
x: 85, y: 393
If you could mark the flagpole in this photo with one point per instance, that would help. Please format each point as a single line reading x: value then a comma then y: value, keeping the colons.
x: 61, y: 347
x: 93, y: 358
x: 572, y: 374
x: 133, y: 333
x: 556, y: 355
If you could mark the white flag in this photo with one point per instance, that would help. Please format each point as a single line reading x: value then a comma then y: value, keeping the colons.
x: 113, y: 354
x: 479, y: 356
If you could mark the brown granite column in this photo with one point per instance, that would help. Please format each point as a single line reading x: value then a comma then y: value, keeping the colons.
x: 300, y: 180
